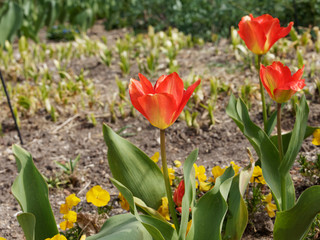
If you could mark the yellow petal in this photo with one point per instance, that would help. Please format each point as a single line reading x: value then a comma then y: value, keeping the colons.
x: 177, y: 163
x: 64, y: 209
x: 155, y: 157
x: 72, y: 200
x: 71, y: 216
x: 98, y: 196
x: 316, y: 137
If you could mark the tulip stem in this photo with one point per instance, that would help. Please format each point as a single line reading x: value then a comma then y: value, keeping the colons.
x: 280, y: 148
x: 166, y: 179
x: 264, y: 109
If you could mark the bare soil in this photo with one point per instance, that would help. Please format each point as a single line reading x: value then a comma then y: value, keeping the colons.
x: 72, y: 135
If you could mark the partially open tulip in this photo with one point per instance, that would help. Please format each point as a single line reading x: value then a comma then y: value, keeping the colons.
x: 163, y: 103
x: 260, y: 33
x: 279, y: 82
x: 178, y: 194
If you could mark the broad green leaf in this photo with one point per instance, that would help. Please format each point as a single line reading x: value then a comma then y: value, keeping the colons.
x: 190, y: 192
x: 158, y: 229
x: 10, y: 22
x: 265, y: 149
x: 27, y: 222
x: 134, y: 169
x: 237, y: 216
x: 210, y: 211
x: 122, y: 227
x: 294, y: 223
x: 297, y: 137
x: 31, y: 191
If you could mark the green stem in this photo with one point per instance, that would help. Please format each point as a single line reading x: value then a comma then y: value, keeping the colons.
x: 166, y: 179
x: 280, y: 148
x: 263, y: 100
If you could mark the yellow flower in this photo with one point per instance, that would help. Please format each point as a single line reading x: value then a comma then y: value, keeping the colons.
x: 200, y: 172
x: 56, y: 237
x: 66, y: 225
x: 98, y: 196
x: 123, y: 202
x: 257, y: 175
x: 64, y: 209
x: 316, y: 137
x: 155, y: 157
x: 164, y: 208
x: 72, y: 200
x: 204, y: 186
x: 270, y: 207
x: 171, y: 174
x: 235, y: 167
x: 177, y: 163
x: 217, y: 171
x: 71, y: 216
x: 1, y: 238
x: 83, y: 237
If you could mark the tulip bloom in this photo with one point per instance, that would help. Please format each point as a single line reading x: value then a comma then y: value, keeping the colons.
x: 260, y: 33
x: 279, y: 82
x: 178, y: 194
x: 163, y: 103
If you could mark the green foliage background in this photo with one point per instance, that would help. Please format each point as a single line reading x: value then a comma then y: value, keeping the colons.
x: 201, y: 18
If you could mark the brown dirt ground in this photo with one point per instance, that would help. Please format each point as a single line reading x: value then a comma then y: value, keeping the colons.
x: 218, y: 145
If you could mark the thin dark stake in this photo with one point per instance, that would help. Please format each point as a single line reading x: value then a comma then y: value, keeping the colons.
x: 9, y: 102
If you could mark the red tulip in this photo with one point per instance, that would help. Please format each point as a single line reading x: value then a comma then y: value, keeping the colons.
x: 260, y: 33
x: 178, y: 194
x: 163, y: 103
x: 279, y: 83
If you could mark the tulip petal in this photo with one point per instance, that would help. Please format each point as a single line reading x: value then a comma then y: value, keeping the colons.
x: 146, y: 84
x: 136, y: 91
x: 171, y: 84
x: 276, y: 32
x: 282, y: 95
x: 160, y: 80
x: 158, y: 109
x: 252, y: 34
x: 297, y: 83
x: 186, y: 95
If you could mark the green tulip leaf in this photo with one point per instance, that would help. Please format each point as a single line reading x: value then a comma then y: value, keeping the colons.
x: 134, y: 169
x: 297, y: 136
x: 31, y: 191
x: 237, y: 216
x: 211, y: 209
x: 265, y: 149
x: 122, y: 227
x: 158, y: 229
x: 27, y: 222
x: 10, y: 21
x: 190, y: 191
x: 294, y: 223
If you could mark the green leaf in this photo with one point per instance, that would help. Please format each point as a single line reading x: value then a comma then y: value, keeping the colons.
x: 272, y: 121
x: 158, y: 229
x: 297, y: 137
x: 265, y: 149
x: 27, y: 222
x: 31, y: 191
x: 134, y: 169
x: 189, y: 192
x: 210, y: 211
x: 294, y: 223
x: 10, y: 22
x: 237, y: 217
x: 122, y: 227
